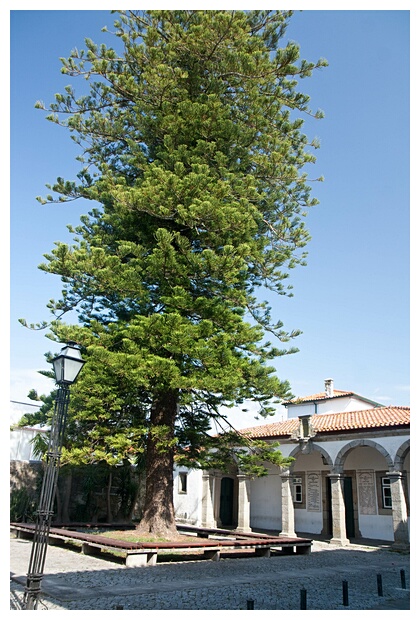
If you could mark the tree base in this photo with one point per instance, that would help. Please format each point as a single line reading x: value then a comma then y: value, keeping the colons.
x: 157, y: 527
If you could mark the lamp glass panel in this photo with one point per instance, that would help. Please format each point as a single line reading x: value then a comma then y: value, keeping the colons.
x: 58, y: 368
x: 72, y: 368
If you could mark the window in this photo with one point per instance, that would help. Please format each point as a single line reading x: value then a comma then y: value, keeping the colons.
x: 386, y: 493
x: 297, y: 490
x: 182, y: 482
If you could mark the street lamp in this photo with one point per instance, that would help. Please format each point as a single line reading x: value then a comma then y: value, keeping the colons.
x: 67, y: 365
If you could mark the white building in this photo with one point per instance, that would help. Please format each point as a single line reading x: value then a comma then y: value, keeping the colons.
x: 20, y: 439
x: 21, y: 446
x: 350, y: 477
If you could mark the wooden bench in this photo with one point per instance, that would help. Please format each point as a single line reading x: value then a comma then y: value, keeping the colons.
x: 288, y: 545
x: 146, y: 554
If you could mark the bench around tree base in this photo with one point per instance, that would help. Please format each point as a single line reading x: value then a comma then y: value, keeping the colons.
x: 140, y: 554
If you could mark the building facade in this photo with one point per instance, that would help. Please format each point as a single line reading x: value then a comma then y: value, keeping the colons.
x: 349, y: 479
x: 21, y: 446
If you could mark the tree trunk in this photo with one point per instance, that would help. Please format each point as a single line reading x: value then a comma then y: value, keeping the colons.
x: 108, y: 499
x: 159, y: 514
x: 57, y: 515
x: 129, y: 496
x: 66, y: 488
x: 135, y: 499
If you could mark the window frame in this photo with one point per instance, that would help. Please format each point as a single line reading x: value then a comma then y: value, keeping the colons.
x: 381, y: 508
x: 386, y: 493
x: 183, y: 483
x: 299, y: 488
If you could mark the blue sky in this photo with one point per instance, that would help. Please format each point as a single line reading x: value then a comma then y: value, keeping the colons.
x: 352, y: 299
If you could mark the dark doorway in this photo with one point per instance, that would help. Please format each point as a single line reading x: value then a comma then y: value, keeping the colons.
x: 348, y: 504
x: 329, y: 509
x: 348, y: 507
x: 226, y: 501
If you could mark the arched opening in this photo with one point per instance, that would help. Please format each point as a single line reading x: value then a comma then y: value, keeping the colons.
x: 226, y: 501
x: 309, y: 475
x: 364, y: 466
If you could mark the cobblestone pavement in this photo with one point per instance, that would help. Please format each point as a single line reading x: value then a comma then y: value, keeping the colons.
x: 74, y: 581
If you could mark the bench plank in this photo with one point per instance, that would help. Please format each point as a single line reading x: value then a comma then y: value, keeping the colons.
x: 145, y: 554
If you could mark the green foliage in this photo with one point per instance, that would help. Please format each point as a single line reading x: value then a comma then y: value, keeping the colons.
x: 192, y: 151
x: 229, y: 449
x: 44, y: 414
x: 99, y: 491
x: 23, y: 506
x: 40, y: 445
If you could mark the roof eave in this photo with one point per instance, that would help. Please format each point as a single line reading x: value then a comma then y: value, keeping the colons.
x: 311, y: 401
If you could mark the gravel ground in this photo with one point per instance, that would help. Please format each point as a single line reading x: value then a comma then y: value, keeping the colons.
x: 74, y: 581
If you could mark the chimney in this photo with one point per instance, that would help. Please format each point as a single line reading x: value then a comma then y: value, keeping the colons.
x: 329, y: 388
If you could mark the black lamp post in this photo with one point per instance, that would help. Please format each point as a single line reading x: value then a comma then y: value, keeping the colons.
x: 67, y: 366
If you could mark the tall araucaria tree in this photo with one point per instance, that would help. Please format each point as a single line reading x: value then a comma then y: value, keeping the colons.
x: 192, y: 147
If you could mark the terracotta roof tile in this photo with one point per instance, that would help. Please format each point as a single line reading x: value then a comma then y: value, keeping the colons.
x: 379, y: 417
x: 320, y: 396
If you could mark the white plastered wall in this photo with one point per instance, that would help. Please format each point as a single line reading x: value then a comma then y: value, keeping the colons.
x: 188, y: 505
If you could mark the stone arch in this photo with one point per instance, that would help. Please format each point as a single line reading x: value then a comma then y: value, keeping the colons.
x: 357, y: 443
x: 308, y: 449
x: 401, y: 454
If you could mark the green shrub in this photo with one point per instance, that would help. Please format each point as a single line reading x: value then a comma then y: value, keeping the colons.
x: 22, y: 506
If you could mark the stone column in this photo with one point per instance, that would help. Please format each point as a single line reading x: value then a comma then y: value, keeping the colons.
x: 217, y: 477
x: 287, y: 508
x: 244, y: 503
x: 399, y: 511
x: 338, y: 510
x: 207, y: 508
